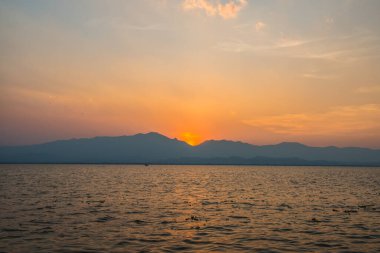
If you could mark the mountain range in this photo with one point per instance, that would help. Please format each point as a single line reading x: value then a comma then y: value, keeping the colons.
x: 154, y: 148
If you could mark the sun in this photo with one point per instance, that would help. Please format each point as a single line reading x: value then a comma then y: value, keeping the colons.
x: 190, y: 138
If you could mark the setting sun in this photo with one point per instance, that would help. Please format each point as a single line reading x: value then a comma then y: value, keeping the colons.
x: 222, y: 69
x: 191, y: 138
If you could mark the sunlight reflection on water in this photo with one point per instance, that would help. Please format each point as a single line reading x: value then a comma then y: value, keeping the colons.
x: 118, y: 208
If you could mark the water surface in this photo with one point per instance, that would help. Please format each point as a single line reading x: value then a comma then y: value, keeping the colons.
x: 120, y: 208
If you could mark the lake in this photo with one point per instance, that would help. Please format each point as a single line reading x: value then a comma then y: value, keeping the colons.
x: 128, y: 208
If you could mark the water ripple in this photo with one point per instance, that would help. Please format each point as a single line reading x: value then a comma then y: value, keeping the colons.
x: 93, y: 208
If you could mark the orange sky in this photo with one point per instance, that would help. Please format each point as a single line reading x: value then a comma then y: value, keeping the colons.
x: 257, y: 71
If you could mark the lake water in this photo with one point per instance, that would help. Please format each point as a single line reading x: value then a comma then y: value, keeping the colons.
x: 128, y: 208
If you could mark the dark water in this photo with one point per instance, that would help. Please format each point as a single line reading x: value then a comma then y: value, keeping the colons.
x: 94, y: 208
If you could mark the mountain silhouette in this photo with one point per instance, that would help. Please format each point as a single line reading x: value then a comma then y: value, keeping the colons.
x: 158, y: 149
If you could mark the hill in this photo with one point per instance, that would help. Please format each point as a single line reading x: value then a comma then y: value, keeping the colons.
x: 159, y: 149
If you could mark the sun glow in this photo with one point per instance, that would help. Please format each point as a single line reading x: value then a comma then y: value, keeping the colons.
x: 191, y: 138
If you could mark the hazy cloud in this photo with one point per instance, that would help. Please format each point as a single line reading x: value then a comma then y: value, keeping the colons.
x: 260, y: 26
x: 119, y: 23
x: 329, y: 20
x: 338, y: 120
x: 151, y: 27
x: 369, y: 89
x: 266, y: 47
x: 212, y: 8
x: 340, y: 49
x: 286, y: 42
x: 235, y: 46
x: 313, y: 75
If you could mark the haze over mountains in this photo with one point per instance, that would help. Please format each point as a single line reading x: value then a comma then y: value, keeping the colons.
x: 154, y: 148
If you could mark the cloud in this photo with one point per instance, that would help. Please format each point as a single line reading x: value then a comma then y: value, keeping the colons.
x: 235, y: 46
x: 260, y: 26
x: 119, y: 23
x: 317, y: 73
x: 319, y: 76
x: 368, y: 89
x: 151, y: 27
x: 337, y: 121
x: 339, y: 49
x: 278, y: 47
x: 329, y: 20
x: 208, y: 7
x: 212, y: 8
x: 287, y: 43
x: 231, y: 9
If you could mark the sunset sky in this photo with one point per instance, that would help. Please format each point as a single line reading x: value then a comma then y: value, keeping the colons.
x: 259, y: 71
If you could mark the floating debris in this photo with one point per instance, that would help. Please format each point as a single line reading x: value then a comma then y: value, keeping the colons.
x: 315, y: 220
x: 283, y: 205
x: 193, y: 218
x: 104, y: 219
x: 139, y: 221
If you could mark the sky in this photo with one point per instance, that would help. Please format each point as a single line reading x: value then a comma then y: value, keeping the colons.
x: 258, y: 71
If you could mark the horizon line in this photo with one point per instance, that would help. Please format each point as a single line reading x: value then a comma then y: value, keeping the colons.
x: 176, y: 138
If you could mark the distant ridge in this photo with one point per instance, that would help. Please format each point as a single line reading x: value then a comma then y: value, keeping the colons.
x: 155, y: 148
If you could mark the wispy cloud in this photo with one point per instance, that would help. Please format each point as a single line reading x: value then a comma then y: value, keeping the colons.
x: 235, y: 46
x: 260, y: 26
x: 151, y: 27
x: 265, y: 47
x: 334, y: 49
x: 248, y: 28
x: 120, y: 23
x: 368, y: 89
x: 227, y: 10
x: 329, y: 20
x: 314, y: 75
x: 338, y: 120
x: 287, y: 43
